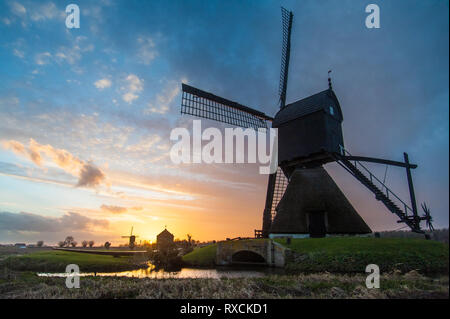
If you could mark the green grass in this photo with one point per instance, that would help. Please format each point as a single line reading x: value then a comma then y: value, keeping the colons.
x: 350, y: 255
x: 56, y: 261
x: 201, y: 257
x: 353, y: 254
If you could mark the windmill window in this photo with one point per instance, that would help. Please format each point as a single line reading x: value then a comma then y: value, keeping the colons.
x: 331, y: 110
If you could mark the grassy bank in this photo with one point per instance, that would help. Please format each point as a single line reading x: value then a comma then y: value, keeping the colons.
x: 201, y: 257
x: 56, y: 261
x: 411, y: 285
x: 334, y: 255
x: 353, y: 254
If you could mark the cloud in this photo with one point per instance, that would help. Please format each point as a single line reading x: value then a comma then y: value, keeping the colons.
x: 18, y: 53
x: 129, y: 97
x: 113, y: 209
x: 88, y: 174
x: 134, y: 86
x: 28, y: 222
x: 43, y: 58
x: 119, y: 209
x: 37, y: 12
x: 145, y: 144
x: 9, y: 102
x: 73, y: 54
x: 102, y: 84
x: 46, y: 11
x: 147, y: 51
x: 69, y: 55
x: 18, y: 9
x: 60, y: 157
x: 34, y: 153
x: 6, y: 21
x: 16, y: 147
x: 162, y: 102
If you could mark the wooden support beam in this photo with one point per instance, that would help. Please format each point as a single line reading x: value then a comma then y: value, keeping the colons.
x: 379, y: 161
x: 410, y: 185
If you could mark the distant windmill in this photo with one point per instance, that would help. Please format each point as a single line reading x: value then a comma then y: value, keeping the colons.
x: 301, y: 197
x: 132, y: 239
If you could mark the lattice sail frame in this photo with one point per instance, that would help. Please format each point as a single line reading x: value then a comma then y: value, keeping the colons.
x: 281, y: 183
x: 287, y: 17
x: 209, y: 106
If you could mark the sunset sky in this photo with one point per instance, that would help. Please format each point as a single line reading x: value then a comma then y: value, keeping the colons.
x: 86, y: 114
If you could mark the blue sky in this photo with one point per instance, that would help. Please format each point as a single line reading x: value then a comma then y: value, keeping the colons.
x: 103, y: 99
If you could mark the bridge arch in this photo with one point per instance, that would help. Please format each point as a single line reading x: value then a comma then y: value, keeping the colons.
x: 247, y: 256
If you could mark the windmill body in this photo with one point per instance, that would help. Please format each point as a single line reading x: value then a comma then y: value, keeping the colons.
x: 131, y: 239
x: 302, y: 199
x: 309, y: 130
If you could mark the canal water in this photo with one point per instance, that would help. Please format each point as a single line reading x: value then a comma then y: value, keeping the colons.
x: 151, y: 272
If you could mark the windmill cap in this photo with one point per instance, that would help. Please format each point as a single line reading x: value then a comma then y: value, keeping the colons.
x: 317, y: 102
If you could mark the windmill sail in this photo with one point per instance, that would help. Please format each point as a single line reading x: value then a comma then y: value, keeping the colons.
x: 275, y: 190
x: 277, y: 183
x: 285, y: 54
x: 209, y: 106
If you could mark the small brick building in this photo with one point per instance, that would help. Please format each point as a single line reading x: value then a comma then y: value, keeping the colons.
x: 164, y: 240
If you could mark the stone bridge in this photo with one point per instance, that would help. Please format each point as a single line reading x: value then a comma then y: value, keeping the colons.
x: 250, y: 251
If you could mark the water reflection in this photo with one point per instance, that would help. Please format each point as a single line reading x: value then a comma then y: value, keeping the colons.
x: 151, y: 272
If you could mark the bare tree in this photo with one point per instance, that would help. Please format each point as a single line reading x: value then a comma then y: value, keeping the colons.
x: 61, y: 244
x: 68, y: 241
x: 107, y: 245
x: 91, y: 243
x: 40, y: 243
x: 74, y: 243
x: 84, y: 243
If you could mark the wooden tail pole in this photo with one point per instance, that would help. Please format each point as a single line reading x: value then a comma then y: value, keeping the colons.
x: 411, y: 186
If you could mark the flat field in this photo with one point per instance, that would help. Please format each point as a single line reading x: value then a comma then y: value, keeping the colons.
x: 56, y: 261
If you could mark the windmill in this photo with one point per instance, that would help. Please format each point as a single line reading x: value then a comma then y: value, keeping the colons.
x: 302, y: 199
x: 132, y: 239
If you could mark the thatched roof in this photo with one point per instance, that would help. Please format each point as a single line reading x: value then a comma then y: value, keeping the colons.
x: 313, y: 190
